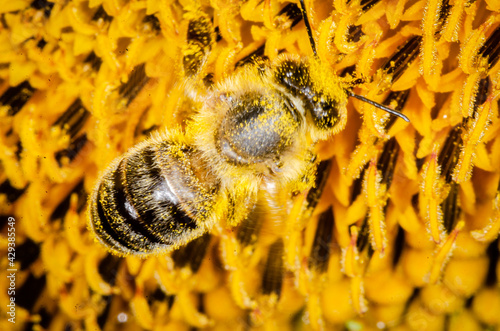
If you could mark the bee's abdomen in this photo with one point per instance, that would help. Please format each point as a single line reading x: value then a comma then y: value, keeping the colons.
x: 115, y: 220
x: 145, y: 203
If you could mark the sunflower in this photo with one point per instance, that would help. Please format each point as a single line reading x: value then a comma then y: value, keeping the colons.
x: 400, y: 230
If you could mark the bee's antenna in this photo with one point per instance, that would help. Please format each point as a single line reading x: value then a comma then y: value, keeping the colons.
x: 351, y: 94
x: 308, y: 26
x: 378, y: 105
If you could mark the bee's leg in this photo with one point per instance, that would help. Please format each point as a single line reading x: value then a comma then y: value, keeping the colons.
x: 200, y: 39
x: 246, y: 248
x: 307, y: 192
x: 304, y: 229
x: 185, y: 98
x: 240, y: 254
x: 256, y: 57
x: 273, y: 285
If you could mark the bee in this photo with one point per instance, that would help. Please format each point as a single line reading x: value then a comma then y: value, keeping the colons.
x: 256, y: 128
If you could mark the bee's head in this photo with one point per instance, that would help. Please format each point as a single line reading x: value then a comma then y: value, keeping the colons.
x: 320, y: 91
x: 328, y: 106
x: 329, y: 112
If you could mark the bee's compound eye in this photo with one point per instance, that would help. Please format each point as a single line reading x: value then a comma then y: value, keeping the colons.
x: 295, y: 78
x: 151, y: 200
x: 324, y: 112
x: 257, y: 128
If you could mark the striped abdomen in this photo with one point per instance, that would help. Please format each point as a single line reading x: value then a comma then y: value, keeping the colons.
x: 155, y: 198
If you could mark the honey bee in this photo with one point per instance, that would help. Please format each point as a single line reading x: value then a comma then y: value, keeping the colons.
x: 257, y: 127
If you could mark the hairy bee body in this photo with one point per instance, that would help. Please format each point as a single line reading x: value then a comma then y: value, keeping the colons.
x: 257, y: 126
x: 150, y: 197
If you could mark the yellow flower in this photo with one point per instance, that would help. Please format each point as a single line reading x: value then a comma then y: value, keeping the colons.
x: 399, y: 231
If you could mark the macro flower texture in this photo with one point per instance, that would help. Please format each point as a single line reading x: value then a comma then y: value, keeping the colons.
x: 394, y: 226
